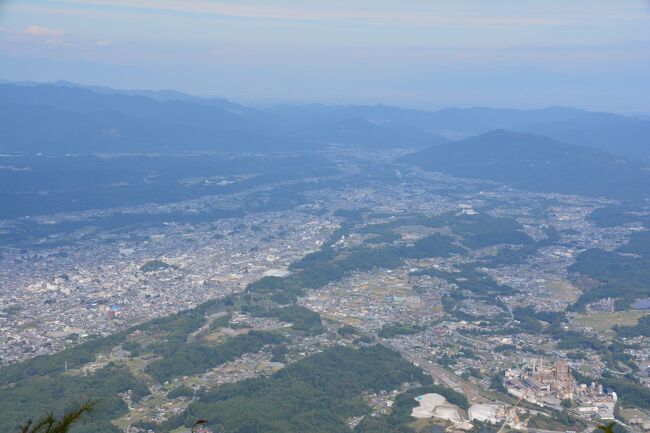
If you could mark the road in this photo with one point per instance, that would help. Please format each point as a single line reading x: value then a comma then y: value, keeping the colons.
x: 449, y: 379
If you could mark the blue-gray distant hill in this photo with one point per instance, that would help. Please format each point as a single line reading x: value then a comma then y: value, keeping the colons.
x: 467, y: 121
x: 617, y: 134
x: 359, y: 131
x: 64, y: 118
x: 536, y: 163
x: 621, y: 135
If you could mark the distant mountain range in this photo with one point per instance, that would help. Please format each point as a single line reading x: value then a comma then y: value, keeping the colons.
x: 159, y: 95
x: 92, y: 119
x: 622, y: 135
x: 609, y: 132
x: 555, y: 149
x: 537, y: 163
x: 468, y: 121
x: 79, y: 120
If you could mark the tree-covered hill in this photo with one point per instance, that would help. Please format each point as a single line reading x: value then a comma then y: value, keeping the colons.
x: 314, y: 395
x: 537, y: 163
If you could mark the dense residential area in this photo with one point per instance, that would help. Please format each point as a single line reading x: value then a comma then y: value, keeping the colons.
x: 480, y: 288
x: 360, y: 216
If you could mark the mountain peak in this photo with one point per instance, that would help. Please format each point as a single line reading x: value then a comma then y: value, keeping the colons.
x: 536, y: 163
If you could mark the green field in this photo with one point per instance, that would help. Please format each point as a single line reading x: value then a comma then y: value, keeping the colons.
x: 603, y: 321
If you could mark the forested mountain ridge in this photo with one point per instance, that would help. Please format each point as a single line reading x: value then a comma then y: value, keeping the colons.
x: 537, y: 163
x: 79, y: 120
x: 88, y: 119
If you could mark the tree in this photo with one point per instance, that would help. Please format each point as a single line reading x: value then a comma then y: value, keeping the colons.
x: 198, y: 423
x: 612, y: 427
x: 50, y: 424
x: 567, y: 403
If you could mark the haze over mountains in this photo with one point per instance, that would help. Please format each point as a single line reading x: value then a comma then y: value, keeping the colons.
x: 609, y: 132
x: 555, y: 149
x: 170, y: 121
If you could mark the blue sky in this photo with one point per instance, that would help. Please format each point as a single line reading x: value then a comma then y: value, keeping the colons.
x: 511, y: 53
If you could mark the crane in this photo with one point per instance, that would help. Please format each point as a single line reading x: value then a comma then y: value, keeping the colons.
x: 512, y: 411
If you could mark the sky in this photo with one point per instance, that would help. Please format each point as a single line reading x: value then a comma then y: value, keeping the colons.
x: 430, y: 54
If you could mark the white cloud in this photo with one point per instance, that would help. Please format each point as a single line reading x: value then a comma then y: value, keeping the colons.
x: 44, y: 31
x: 103, y: 43
x: 58, y: 42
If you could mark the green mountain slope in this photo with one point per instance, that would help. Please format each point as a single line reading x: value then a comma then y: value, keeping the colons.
x: 536, y: 163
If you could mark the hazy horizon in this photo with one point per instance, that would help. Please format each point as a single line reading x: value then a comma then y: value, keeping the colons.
x: 265, y: 104
x: 508, y: 54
